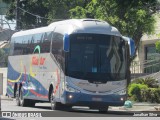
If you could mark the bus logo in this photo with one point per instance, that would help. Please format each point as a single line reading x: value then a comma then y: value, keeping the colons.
x: 38, y: 61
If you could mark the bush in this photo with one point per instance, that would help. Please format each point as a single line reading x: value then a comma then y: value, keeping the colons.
x: 134, y: 91
x: 141, y: 93
x: 138, y: 81
x: 153, y: 95
x: 150, y: 95
x: 149, y: 81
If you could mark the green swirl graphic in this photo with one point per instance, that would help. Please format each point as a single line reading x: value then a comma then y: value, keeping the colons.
x: 37, y: 48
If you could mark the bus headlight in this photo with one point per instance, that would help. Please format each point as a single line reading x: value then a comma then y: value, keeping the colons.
x: 71, y: 89
x: 122, y: 99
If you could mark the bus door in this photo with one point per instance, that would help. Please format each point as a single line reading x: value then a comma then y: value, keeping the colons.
x: 62, y: 76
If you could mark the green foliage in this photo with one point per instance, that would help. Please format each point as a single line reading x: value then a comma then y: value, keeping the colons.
x: 157, y: 46
x: 52, y: 10
x: 61, y: 9
x: 132, y: 18
x: 157, y: 95
x: 27, y: 20
x: 138, y: 81
x: 3, y: 58
x: 151, y: 95
x: 149, y: 81
x: 2, y: 52
x: 135, y: 91
x: 80, y: 14
x: 144, y: 90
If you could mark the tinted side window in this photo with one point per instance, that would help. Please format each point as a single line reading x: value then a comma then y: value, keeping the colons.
x: 11, y: 46
x: 37, y: 41
x: 28, y: 47
x: 57, y: 43
x: 46, y: 41
x: 27, y: 44
x: 57, y: 48
x: 18, y: 46
x: 23, y: 45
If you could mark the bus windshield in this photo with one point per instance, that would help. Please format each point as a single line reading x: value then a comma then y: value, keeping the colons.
x: 96, y: 58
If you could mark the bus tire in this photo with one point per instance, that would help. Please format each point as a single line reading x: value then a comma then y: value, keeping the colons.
x: 17, y: 98
x: 23, y: 102
x: 67, y: 107
x: 31, y: 103
x: 54, y: 105
x: 103, y: 109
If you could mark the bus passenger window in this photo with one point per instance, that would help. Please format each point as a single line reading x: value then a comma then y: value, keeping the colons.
x: 18, y: 46
x: 46, y: 41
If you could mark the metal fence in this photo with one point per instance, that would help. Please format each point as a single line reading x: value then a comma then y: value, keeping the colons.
x: 1, y: 84
x: 139, y: 68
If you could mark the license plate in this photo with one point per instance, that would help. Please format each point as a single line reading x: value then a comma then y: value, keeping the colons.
x: 96, y: 99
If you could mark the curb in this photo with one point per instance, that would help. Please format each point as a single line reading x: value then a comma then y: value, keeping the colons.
x: 157, y: 108
x: 135, y: 108
x: 6, y: 98
x: 146, y: 104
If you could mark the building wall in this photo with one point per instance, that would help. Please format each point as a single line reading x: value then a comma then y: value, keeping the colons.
x: 146, y: 41
x: 4, y: 72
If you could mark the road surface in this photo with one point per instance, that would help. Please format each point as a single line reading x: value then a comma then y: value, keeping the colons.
x: 44, y: 108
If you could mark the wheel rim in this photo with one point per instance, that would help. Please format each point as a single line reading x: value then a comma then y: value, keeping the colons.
x: 21, y: 98
x: 52, y: 100
x: 17, y: 98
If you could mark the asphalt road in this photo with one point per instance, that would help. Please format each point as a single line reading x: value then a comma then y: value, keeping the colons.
x: 44, y: 110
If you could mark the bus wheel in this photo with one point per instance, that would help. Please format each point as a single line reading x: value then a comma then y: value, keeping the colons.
x: 17, y: 98
x: 31, y: 103
x: 23, y: 102
x: 54, y: 105
x: 103, y: 109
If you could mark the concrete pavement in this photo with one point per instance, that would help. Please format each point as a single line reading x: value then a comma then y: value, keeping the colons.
x: 3, y: 97
x: 139, y: 106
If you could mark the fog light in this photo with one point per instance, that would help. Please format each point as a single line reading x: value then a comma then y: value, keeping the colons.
x: 70, y: 96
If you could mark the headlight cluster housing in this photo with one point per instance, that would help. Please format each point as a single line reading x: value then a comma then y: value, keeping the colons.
x: 71, y: 89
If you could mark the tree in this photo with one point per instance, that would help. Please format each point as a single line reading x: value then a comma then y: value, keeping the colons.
x: 1, y: 52
x: 3, y: 57
x: 32, y: 13
x: 157, y: 46
x: 59, y: 9
x: 132, y: 18
x: 149, y: 81
x: 52, y: 10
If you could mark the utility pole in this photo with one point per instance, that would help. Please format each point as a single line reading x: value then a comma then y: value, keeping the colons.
x: 17, y: 15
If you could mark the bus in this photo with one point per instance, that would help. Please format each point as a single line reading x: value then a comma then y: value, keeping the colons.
x: 75, y: 62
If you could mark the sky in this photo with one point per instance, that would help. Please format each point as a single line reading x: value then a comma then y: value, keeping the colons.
x: 5, y: 25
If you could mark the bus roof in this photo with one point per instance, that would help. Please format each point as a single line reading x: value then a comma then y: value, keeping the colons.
x: 78, y: 25
x: 89, y: 26
x: 32, y: 31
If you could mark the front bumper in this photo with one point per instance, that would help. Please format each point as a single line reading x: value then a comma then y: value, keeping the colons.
x: 83, y: 99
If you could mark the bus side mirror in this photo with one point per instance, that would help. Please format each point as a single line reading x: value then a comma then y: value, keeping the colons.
x: 66, y: 43
x: 132, y: 47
